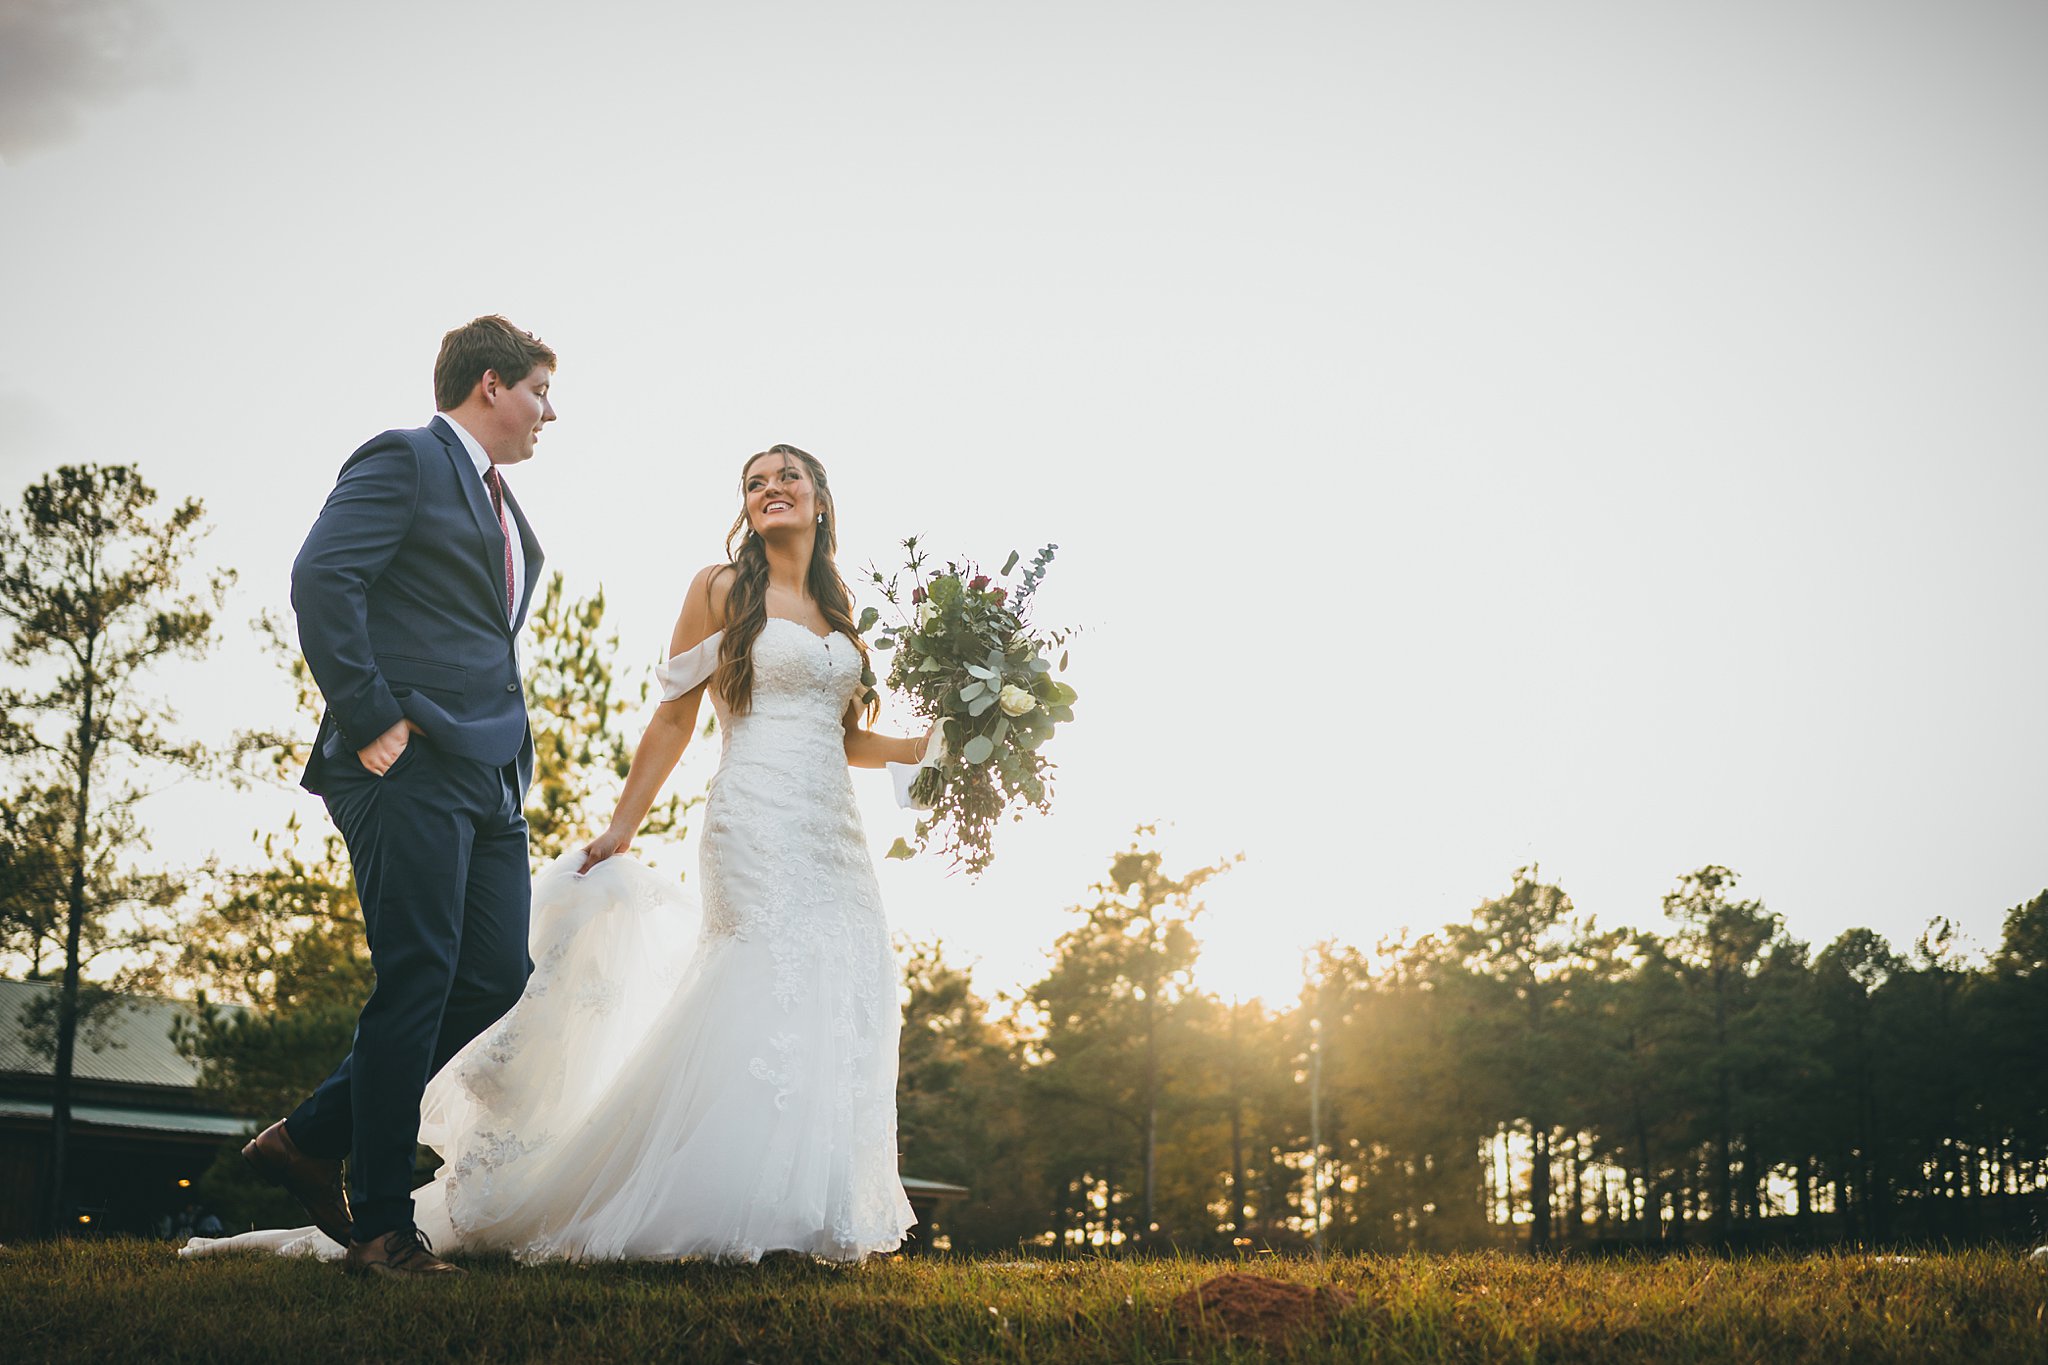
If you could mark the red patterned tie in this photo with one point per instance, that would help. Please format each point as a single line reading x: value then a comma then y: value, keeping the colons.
x: 497, y: 487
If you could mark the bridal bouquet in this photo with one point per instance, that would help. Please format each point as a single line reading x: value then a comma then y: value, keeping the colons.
x: 966, y: 655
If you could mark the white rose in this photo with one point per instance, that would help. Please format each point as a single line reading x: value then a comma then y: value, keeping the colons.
x: 1015, y: 701
x: 925, y: 612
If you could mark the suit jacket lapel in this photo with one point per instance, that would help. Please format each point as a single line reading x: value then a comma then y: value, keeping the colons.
x: 479, y: 499
x: 529, y: 546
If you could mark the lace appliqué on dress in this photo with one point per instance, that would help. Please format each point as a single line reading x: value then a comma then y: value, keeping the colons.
x: 783, y: 1079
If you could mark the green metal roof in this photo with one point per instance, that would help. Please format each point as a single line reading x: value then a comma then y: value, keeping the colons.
x: 132, y: 1044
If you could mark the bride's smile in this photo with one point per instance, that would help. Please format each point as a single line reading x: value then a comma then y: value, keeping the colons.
x: 779, y: 498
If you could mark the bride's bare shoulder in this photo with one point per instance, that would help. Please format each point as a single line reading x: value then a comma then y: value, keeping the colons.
x: 714, y: 584
x: 703, y: 613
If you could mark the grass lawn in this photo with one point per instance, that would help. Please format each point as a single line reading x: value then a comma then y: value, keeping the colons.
x: 135, y: 1301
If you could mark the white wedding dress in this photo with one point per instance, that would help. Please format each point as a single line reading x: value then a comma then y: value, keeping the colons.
x: 676, y: 1081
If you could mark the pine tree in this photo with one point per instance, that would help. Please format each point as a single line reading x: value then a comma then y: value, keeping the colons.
x: 93, y: 585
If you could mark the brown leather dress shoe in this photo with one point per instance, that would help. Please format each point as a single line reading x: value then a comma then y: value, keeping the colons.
x: 314, y: 1182
x: 402, y: 1254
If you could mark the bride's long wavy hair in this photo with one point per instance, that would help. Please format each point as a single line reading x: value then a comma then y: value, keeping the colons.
x: 746, y: 604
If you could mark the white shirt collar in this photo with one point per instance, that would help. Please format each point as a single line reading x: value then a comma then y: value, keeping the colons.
x: 477, y: 453
x: 483, y: 462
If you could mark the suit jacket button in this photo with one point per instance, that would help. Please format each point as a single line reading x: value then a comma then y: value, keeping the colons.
x: 511, y: 687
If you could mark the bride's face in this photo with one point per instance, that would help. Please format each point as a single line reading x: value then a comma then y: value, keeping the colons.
x: 780, y: 495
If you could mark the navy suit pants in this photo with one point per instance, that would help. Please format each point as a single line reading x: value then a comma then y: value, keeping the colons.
x: 439, y: 849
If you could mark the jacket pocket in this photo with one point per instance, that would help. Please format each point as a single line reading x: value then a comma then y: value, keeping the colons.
x: 400, y: 670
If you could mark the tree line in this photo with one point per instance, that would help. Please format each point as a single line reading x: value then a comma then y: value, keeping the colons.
x: 1523, y: 1077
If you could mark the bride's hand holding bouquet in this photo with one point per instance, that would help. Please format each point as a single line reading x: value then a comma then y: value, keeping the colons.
x: 967, y: 658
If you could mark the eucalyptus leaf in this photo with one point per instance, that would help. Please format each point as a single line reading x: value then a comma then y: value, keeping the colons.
x: 982, y: 703
x: 1062, y: 713
x: 1009, y: 564
x: 977, y: 751
x: 1041, y: 664
x: 1063, y: 660
x: 1001, y: 728
x: 868, y: 617
x: 985, y: 674
x: 899, y: 850
x: 973, y: 690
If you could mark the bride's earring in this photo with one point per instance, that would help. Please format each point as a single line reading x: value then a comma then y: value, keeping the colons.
x: 821, y: 518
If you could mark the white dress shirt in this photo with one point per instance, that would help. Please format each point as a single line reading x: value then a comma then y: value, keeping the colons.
x: 482, y: 460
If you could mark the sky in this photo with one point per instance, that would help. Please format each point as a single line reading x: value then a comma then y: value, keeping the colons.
x: 1602, y: 436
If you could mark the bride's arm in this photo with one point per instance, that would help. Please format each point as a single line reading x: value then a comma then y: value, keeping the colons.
x: 668, y: 734
x: 866, y: 749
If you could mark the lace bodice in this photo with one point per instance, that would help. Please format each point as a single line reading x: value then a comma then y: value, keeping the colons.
x: 802, y: 686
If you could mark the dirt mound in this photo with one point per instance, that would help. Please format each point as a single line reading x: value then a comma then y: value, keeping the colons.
x: 1255, y: 1306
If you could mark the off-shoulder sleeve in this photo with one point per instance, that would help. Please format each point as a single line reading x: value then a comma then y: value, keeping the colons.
x: 688, y: 670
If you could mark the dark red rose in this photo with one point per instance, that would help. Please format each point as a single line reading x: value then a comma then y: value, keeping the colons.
x: 978, y: 582
x: 916, y: 596
x: 1001, y: 595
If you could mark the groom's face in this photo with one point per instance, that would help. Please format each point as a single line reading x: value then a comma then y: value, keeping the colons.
x: 519, y: 412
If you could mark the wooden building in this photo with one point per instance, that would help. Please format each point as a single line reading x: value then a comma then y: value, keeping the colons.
x: 140, y: 1135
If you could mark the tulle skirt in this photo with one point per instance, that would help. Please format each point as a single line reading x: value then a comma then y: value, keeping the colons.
x: 659, y: 1091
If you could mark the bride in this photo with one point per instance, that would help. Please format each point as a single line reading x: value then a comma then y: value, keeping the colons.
x: 716, y: 1081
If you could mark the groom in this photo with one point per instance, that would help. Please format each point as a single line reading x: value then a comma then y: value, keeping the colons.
x: 410, y: 590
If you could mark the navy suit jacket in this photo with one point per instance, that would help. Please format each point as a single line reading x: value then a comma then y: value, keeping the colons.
x: 400, y: 595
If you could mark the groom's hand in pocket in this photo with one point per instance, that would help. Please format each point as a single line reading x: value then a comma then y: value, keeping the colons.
x: 383, y: 751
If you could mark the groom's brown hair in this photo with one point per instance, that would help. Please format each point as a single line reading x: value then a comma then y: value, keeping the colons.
x: 489, y: 343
